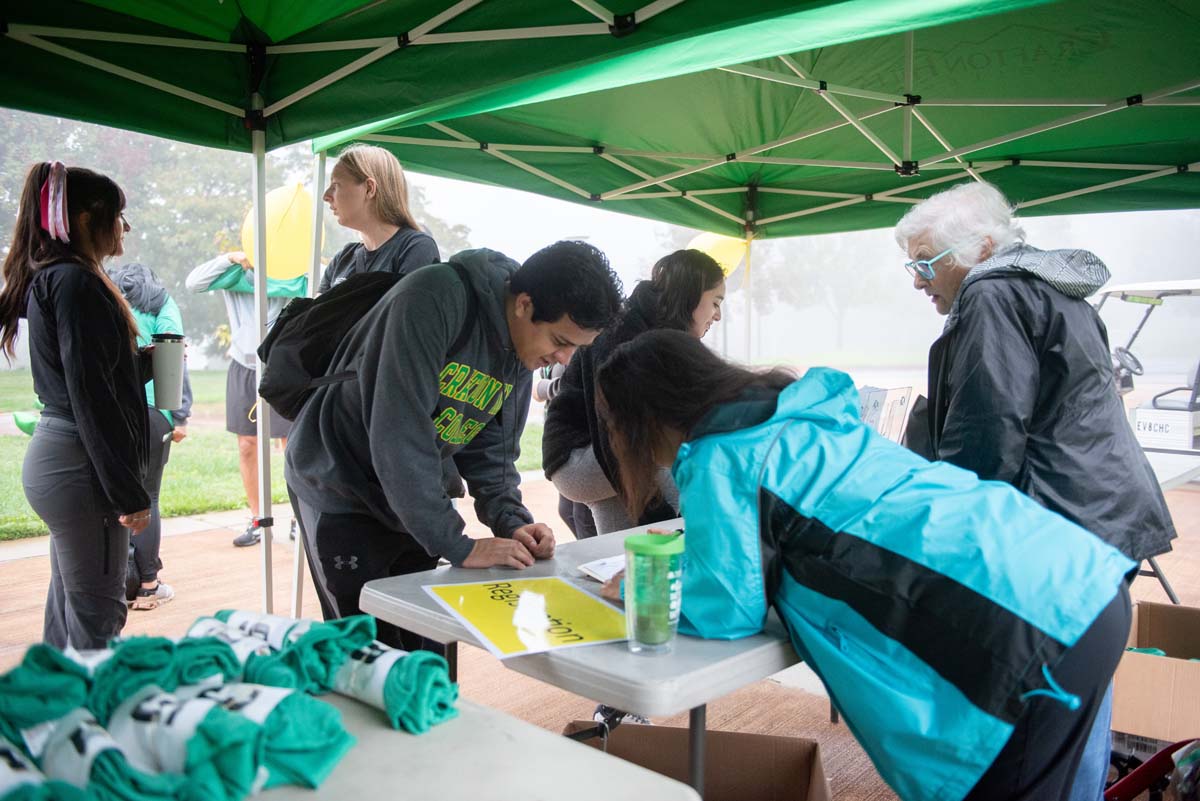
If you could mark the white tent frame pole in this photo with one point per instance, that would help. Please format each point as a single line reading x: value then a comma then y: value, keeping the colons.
x: 516, y: 34
x: 607, y: 156
x: 848, y: 165
x: 943, y: 141
x: 909, y: 56
x: 438, y: 20
x: 845, y: 113
x: 513, y: 160
x: 1109, y: 185
x: 733, y: 190
x: 127, y: 74
x: 771, y: 190
x: 1088, y: 165
x: 314, y: 277
x: 957, y: 176
x: 654, y: 9
x: 258, y: 141
x: 747, y: 287
x: 126, y: 38
x: 810, y: 83
x: 1116, y: 105
x: 596, y: 10
x: 354, y: 66
x: 715, y: 161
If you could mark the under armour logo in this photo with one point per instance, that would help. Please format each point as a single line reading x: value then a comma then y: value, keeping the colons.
x: 339, y: 562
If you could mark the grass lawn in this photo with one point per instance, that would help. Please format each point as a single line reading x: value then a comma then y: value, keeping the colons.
x: 202, y: 475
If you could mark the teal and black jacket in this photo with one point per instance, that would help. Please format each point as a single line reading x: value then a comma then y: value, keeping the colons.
x: 930, y: 603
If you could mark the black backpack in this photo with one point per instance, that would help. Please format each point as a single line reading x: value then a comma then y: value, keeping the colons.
x: 299, y: 348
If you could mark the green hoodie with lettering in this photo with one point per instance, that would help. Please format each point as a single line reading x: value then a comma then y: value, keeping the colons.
x: 374, y: 445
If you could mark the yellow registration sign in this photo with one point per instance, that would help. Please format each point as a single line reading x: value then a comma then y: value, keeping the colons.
x: 526, y: 616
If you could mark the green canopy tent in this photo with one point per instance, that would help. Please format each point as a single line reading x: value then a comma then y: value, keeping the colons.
x: 1070, y: 107
x: 256, y: 74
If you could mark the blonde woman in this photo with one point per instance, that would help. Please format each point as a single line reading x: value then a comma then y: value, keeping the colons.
x: 367, y: 192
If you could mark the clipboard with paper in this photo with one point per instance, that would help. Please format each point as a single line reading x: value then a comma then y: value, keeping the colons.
x: 527, y: 616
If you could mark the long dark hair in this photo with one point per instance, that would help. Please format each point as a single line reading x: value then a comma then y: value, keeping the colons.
x: 32, y: 247
x: 680, y: 278
x: 660, y: 385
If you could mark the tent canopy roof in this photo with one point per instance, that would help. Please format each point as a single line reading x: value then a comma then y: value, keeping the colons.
x: 1069, y: 107
x: 188, y: 71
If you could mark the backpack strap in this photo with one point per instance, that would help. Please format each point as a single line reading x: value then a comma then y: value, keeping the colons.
x: 472, y: 309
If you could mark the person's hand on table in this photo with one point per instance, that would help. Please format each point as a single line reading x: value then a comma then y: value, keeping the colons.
x: 611, y: 589
x: 135, y: 521
x: 498, y: 552
x: 537, y: 538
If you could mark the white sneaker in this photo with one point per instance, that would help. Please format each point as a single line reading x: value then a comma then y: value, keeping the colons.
x: 147, y: 599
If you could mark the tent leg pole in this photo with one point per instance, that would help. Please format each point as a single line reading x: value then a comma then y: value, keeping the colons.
x: 314, y: 277
x: 259, y: 142
x: 746, y: 287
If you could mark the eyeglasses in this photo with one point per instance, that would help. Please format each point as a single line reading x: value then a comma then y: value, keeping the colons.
x: 924, y: 267
x: 124, y: 221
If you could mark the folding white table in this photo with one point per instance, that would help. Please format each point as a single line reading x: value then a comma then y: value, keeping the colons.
x: 696, y: 672
x: 480, y: 754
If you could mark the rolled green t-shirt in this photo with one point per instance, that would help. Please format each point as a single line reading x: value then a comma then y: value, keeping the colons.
x: 20, y: 780
x: 412, y: 688
x: 303, y: 738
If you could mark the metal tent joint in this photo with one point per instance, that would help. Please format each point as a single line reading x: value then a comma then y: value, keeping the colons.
x: 822, y: 87
x: 908, y: 169
x: 1133, y: 100
x: 1182, y: 168
x: 595, y: 197
x: 1015, y: 162
x: 868, y: 197
x: 623, y: 25
x: 254, y: 120
x: 597, y: 150
x: 731, y: 156
x: 911, y: 100
x: 483, y: 145
x: 403, y: 40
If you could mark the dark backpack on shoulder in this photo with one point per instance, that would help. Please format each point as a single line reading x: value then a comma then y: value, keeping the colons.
x: 299, y: 348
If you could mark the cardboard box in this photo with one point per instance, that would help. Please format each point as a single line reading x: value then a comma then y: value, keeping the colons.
x: 1141, y: 747
x: 738, y: 767
x: 1165, y: 428
x: 1159, y: 696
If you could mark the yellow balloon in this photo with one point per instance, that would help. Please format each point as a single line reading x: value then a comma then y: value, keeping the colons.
x: 289, y: 231
x: 726, y: 251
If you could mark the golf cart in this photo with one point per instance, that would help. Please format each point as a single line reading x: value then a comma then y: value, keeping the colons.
x: 1126, y: 365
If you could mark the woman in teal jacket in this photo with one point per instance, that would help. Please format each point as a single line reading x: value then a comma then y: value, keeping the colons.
x: 155, y: 312
x: 966, y: 633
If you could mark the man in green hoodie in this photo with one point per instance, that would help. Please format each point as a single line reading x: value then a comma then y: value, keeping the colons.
x: 364, y: 461
x: 1021, y: 386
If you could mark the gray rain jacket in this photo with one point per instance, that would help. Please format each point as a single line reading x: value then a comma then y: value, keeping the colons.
x: 374, y: 445
x: 1021, y: 390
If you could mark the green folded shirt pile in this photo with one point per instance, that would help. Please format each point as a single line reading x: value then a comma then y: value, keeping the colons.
x: 303, y: 738
x: 414, y: 689
x: 220, y: 753
x: 138, y: 662
x: 20, y: 780
x: 43, y: 688
x: 307, y: 654
x: 79, y: 752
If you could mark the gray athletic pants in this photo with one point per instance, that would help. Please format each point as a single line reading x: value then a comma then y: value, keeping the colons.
x: 85, y: 606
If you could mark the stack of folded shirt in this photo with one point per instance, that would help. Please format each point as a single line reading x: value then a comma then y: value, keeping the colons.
x: 306, y: 655
x: 20, y: 780
x: 220, y: 753
x: 414, y: 689
x: 303, y: 738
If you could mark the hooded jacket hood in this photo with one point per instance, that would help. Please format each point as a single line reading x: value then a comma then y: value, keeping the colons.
x: 1074, y: 273
x: 489, y: 272
x: 140, y: 286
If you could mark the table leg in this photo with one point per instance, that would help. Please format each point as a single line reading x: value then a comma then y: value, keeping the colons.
x: 696, y: 737
x: 452, y: 659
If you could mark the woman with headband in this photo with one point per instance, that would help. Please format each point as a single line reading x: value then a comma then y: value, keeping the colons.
x: 84, y: 468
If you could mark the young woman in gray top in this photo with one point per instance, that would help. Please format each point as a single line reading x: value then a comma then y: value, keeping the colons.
x: 367, y: 192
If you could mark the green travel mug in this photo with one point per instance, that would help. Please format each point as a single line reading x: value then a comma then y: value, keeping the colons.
x: 653, y: 590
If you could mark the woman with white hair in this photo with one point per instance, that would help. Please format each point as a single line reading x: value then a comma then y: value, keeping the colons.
x: 368, y: 193
x: 1021, y: 385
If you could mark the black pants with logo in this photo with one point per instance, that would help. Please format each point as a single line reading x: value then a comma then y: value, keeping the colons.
x: 345, y: 551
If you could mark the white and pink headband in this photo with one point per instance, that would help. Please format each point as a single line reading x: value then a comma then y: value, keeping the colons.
x: 54, y: 203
